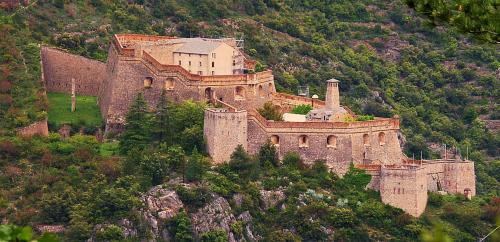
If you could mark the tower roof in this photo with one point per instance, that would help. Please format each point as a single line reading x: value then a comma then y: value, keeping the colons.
x: 333, y: 80
x: 198, y: 46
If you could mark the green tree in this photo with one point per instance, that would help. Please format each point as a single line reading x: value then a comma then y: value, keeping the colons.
x: 137, y: 130
x: 161, y: 122
x: 155, y: 166
x: 268, y: 155
x: 270, y: 112
x: 218, y: 235
x: 180, y: 227
x: 197, y: 165
x: 302, y: 109
x: 243, y: 164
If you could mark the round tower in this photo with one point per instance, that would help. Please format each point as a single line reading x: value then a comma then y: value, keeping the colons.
x: 332, y: 99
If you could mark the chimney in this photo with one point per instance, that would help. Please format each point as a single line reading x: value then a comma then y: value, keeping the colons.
x: 332, y: 100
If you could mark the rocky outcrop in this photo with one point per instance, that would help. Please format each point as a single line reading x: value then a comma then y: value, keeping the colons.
x: 270, y: 199
x: 215, y: 215
x: 160, y: 204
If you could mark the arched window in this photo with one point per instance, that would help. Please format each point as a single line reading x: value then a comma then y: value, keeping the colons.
x: 239, y: 93
x: 148, y: 81
x: 366, y: 140
x: 169, y: 84
x: 209, y: 93
x: 303, y: 141
x: 381, y: 138
x: 261, y: 91
x: 331, y: 141
x: 275, y: 140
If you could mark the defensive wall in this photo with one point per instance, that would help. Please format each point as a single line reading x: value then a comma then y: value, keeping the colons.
x: 339, y: 143
x: 37, y: 128
x: 60, y: 67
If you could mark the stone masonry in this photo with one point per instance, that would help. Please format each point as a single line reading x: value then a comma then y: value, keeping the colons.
x: 187, y: 70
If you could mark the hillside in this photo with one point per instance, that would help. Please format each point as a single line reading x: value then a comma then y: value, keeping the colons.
x: 443, y: 84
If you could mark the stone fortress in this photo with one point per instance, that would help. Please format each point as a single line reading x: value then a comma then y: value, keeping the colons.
x: 217, y: 71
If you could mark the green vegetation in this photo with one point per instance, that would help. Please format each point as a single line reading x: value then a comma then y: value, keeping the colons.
x: 270, y: 112
x: 12, y: 233
x: 302, y: 109
x: 364, y: 117
x: 87, y: 113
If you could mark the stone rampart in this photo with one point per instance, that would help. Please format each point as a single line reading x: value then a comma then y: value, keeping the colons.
x: 60, y: 67
x: 338, y: 143
x: 38, y: 128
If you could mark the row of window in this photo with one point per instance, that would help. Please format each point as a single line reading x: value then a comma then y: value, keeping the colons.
x: 331, y: 141
x: 213, y: 55
x: 189, y: 63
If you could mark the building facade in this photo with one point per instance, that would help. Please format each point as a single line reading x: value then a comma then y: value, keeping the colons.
x: 217, y: 71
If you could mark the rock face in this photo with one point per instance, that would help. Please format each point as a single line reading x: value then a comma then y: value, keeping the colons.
x: 215, y: 215
x: 270, y: 199
x: 161, y: 204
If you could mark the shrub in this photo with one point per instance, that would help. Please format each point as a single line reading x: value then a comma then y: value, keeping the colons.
x: 110, y: 233
x: 302, y: 109
x: 218, y: 235
x: 270, y: 112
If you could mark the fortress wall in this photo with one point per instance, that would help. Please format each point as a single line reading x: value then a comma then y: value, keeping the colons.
x: 337, y: 158
x: 435, y: 175
x: 223, y: 132
x: 375, y: 181
x: 459, y: 176
x: 104, y: 97
x: 405, y: 188
x: 60, y: 67
x: 38, y: 128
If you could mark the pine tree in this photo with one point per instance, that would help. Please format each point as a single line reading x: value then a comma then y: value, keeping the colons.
x: 268, y: 155
x: 137, y: 127
x: 161, y: 121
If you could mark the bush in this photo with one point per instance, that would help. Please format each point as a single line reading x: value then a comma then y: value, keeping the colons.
x: 302, y: 109
x: 110, y: 233
x: 218, y: 235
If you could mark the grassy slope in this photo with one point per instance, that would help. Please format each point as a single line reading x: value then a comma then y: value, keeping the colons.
x: 87, y: 112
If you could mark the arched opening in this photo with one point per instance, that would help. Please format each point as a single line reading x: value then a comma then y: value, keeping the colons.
x: 209, y: 93
x: 381, y: 138
x: 366, y: 140
x: 303, y: 141
x: 270, y: 87
x: 275, y: 140
x: 239, y: 93
x: 148, y: 82
x: 331, y: 141
x: 169, y: 84
x: 260, y: 91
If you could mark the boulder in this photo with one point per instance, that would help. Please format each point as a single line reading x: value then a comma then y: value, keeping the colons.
x: 215, y: 215
x: 160, y: 204
x: 270, y: 199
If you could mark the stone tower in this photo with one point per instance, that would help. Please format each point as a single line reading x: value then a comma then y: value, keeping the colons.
x: 224, y: 130
x: 332, y: 99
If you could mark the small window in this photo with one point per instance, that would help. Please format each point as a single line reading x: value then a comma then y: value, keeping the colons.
x: 148, y: 82
x: 180, y: 54
x: 213, y: 73
x: 180, y: 63
x: 275, y: 140
x: 213, y: 55
x: 200, y: 73
x: 239, y: 93
x: 303, y: 141
x: 200, y: 63
x: 366, y: 140
x: 381, y: 138
x: 331, y: 141
x: 234, y: 62
x: 189, y: 63
x: 261, y: 91
x: 169, y: 84
x: 189, y: 55
x: 213, y: 64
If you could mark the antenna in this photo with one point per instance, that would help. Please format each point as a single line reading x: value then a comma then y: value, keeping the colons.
x: 467, y: 152
x: 421, y: 156
x: 445, y: 152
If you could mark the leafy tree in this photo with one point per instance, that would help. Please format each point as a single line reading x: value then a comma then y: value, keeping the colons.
x: 137, y: 127
x: 270, y: 112
x: 180, y: 227
x: 13, y: 233
x: 218, y: 235
x: 155, y: 166
x: 242, y: 164
x: 268, y: 155
x: 302, y: 109
x: 161, y: 121
x: 196, y: 166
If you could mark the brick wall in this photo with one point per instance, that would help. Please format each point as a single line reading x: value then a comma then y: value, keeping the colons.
x: 60, y: 67
x: 459, y: 176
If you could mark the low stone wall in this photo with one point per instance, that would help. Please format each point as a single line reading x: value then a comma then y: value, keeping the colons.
x: 37, y: 128
x: 60, y: 67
